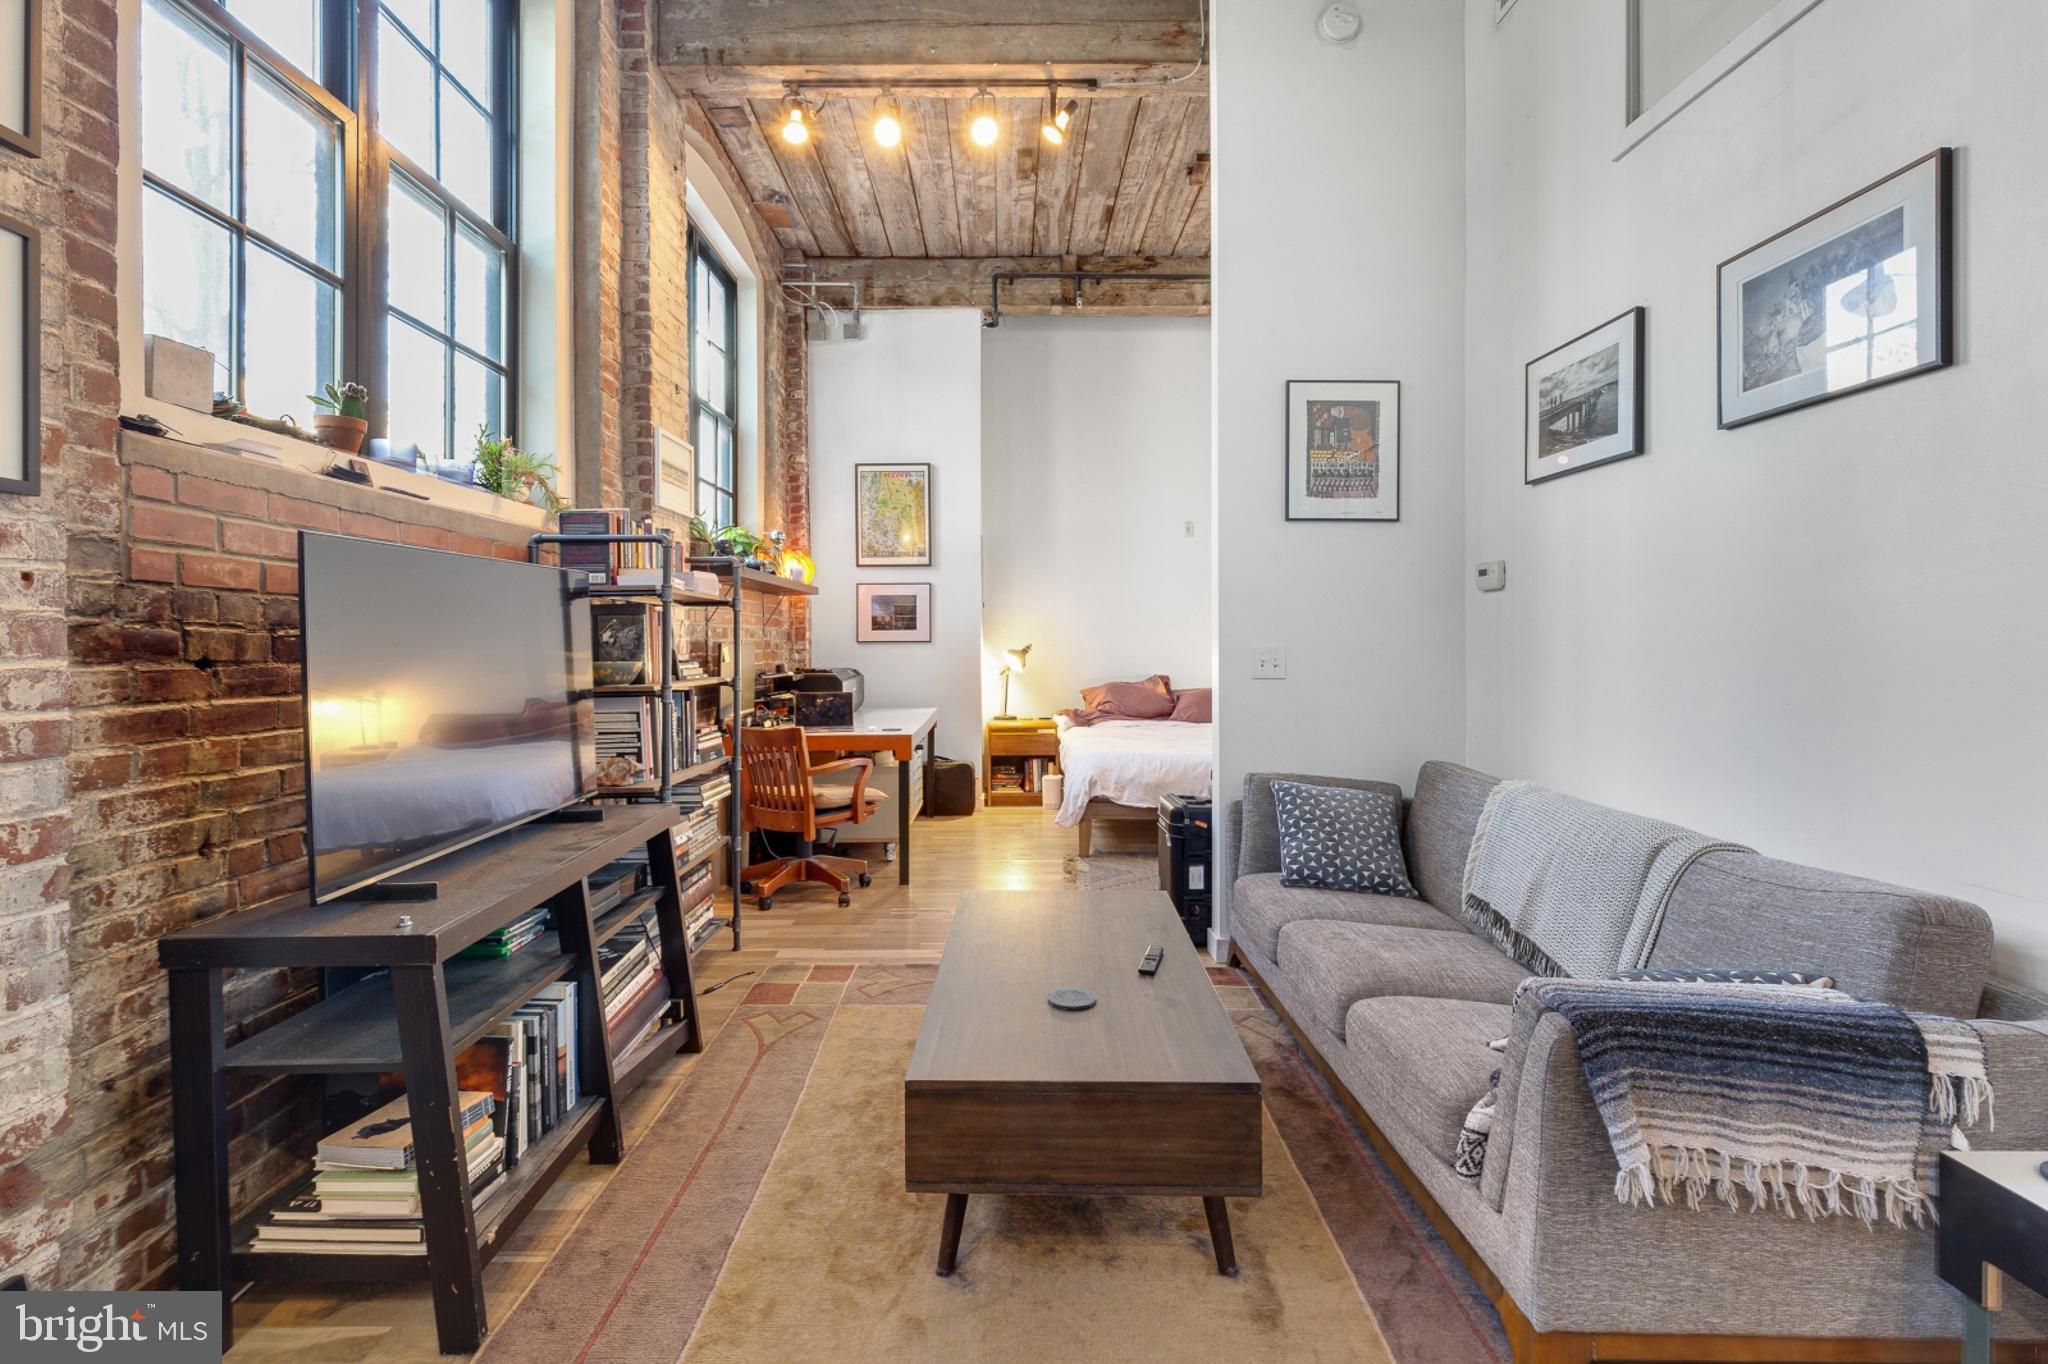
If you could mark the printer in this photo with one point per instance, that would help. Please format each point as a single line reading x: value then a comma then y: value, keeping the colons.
x: 827, y: 697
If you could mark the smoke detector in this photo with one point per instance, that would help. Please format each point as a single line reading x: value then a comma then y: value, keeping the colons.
x: 1340, y: 24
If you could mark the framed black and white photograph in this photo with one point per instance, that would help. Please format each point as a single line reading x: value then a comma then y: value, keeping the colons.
x: 1855, y: 296
x: 892, y: 511
x: 21, y: 420
x: 1343, y: 450
x: 21, y: 75
x: 892, y: 613
x: 1582, y: 404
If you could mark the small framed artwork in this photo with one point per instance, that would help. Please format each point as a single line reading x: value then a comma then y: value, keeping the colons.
x: 1343, y: 450
x: 893, y: 613
x: 892, y: 510
x: 1855, y: 296
x: 21, y: 75
x: 1582, y: 404
x: 21, y: 322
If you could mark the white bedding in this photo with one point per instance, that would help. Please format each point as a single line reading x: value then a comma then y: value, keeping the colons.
x: 1131, y: 762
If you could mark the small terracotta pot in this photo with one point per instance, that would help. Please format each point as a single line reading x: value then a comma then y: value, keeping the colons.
x: 341, y: 433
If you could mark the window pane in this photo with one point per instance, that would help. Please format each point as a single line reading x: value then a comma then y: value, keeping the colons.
x: 417, y: 15
x: 294, y: 189
x: 466, y: 45
x: 479, y: 294
x: 705, y: 440
x: 188, y: 281
x: 466, y: 160
x: 187, y: 104
x: 419, y: 255
x: 708, y: 373
x: 405, y: 98
x: 479, y: 402
x: 714, y: 506
x: 294, y: 337
x: 419, y: 393
x: 290, y: 26
x: 717, y: 306
x: 725, y: 479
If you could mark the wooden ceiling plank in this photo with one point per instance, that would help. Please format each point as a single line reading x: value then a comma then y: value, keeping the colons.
x: 1194, y: 238
x: 815, y: 204
x: 889, y: 173
x: 928, y: 157
x: 842, y: 155
x: 1110, y: 124
x: 1053, y: 214
x: 744, y: 143
x: 926, y: 32
x: 1017, y: 154
x: 1176, y: 191
x: 1145, y: 170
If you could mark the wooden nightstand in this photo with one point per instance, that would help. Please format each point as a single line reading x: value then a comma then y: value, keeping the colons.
x: 1018, y: 752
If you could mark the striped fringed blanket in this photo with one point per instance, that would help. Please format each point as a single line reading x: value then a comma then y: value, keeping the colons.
x: 1805, y: 1098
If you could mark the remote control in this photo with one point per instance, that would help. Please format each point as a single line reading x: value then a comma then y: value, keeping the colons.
x: 1153, y: 956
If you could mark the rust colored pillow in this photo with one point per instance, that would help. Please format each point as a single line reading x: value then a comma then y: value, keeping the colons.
x: 1151, y: 699
x: 1193, y: 706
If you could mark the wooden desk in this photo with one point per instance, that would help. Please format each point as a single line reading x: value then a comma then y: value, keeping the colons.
x: 897, y: 731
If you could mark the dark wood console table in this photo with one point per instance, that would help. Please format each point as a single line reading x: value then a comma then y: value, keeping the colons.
x: 396, y: 1000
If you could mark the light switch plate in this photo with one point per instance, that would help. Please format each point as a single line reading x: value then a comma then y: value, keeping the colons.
x: 1269, y: 660
x: 1493, y: 575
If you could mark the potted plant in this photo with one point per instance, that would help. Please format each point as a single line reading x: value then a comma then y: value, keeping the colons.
x: 339, y: 422
x: 701, y: 545
x: 738, y: 542
x: 508, y: 471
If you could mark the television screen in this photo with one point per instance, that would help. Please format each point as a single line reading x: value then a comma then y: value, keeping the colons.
x: 447, y: 698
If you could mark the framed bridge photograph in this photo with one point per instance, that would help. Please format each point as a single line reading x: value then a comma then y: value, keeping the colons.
x: 1583, y: 402
x: 1343, y: 450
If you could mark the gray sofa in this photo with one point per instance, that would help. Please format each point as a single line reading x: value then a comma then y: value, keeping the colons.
x: 1397, y: 1000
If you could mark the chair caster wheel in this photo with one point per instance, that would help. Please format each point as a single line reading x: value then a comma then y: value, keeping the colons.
x: 746, y: 887
x: 768, y: 903
x: 844, y: 899
x: 866, y: 880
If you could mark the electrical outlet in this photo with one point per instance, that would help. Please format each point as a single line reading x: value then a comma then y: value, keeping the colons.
x: 1269, y: 660
x: 1190, y: 529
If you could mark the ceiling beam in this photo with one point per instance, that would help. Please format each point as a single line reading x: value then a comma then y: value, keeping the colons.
x: 965, y: 283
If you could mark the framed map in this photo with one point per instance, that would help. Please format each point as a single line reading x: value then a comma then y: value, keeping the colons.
x: 892, y: 510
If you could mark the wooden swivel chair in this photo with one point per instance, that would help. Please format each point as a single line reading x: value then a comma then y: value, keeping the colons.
x: 779, y: 796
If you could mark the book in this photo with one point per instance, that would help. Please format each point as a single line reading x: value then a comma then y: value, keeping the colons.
x: 356, y: 1230
x: 595, y: 559
x: 561, y: 996
x: 384, y: 1139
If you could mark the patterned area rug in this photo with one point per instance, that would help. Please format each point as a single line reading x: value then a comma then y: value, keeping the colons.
x: 1113, y: 871
x: 763, y: 1217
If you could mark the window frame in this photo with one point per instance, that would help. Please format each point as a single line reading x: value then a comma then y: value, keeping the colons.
x: 244, y: 43
x: 729, y: 418
x: 380, y: 156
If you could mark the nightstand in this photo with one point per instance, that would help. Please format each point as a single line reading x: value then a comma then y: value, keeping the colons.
x: 1016, y: 755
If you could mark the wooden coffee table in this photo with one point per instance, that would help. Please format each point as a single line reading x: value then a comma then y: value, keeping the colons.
x: 1149, y: 1092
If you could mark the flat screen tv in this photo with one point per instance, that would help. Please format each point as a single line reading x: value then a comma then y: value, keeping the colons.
x: 447, y: 699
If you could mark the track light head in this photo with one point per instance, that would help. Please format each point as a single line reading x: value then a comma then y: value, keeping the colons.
x: 796, y: 122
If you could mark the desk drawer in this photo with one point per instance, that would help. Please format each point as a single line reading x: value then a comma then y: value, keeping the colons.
x: 1045, y: 745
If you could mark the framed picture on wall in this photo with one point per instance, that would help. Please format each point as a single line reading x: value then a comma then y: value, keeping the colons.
x: 21, y: 421
x: 1343, y: 450
x: 1855, y: 296
x: 21, y: 75
x: 892, y: 613
x: 892, y: 513
x: 1582, y: 404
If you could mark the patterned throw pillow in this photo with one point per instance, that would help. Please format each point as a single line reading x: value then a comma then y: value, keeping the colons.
x: 1689, y: 975
x: 1338, y: 838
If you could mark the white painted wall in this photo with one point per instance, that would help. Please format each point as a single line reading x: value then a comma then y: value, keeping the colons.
x: 1339, y: 204
x: 1822, y: 633
x: 908, y: 393
x: 1095, y: 504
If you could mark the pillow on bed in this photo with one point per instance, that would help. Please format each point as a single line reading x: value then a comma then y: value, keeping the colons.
x: 1193, y: 706
x: 1151, y: 699
x: 1341, y: 838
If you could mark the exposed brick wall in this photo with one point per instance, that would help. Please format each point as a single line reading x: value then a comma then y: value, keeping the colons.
x: 68, y: 193
x: 655, y: 296
x: 598, y: 254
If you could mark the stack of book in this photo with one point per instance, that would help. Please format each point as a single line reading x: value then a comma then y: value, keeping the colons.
x: 690, y: 670
x: 508, y: 940
x: 634, y: 986
x: 694, y: 582
x: 614, y: 881
x: 364, y: 1197
x: 695, y: 795
x: 709, y: 742
x: 543, y: 1035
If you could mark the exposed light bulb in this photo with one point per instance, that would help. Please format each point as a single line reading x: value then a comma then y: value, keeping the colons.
x: 983, y: 129
x: 1066, y: 114
x: 888, y: 122
x: 796, y: 128
x: 1051, y: 131
x: 1054, y: 129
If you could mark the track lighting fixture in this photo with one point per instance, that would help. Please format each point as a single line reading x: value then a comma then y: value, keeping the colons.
x: 888, y: 121
x: 796, y: 122
x: 1058, y: 116
x: 983, y: 129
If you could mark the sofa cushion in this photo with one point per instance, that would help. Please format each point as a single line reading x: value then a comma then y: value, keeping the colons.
x: 1260, y: 905
x: 1430, y: 1053
x: 1259, y: 827
x: 1332, y: 966
x: 1880, y: 942
x: 1341, y: 839
x: 1441, y: 821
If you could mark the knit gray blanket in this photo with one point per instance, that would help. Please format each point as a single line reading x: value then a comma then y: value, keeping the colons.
x: 1569, y: 888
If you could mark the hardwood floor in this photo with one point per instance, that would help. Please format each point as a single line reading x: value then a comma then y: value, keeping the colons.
x: 997, y: 849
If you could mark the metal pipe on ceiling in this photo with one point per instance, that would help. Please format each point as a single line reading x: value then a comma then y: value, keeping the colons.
x: 1081, y: 279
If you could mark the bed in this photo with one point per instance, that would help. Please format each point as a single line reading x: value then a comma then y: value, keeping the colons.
x: 1118, y: 769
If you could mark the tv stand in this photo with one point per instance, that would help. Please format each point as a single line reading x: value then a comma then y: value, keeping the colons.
x: 396, y: 890
x: 573, y: 814
x: 400, y: 1000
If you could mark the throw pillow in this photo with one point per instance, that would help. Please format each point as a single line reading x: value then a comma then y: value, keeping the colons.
x: 1193, y: 706
x: 1340, y: 838
x: 1151, y: 699
x: 1690, y: 975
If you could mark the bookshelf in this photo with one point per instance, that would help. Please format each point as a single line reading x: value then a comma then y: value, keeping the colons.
x: 396, y: 996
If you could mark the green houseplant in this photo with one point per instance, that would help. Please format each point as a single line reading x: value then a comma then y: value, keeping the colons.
x: 505, y: 469
x: 339, y: 420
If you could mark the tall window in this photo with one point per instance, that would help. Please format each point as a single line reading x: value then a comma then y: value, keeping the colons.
x: 444, y: 112
x: 243, y: 216
x: 714, y: 380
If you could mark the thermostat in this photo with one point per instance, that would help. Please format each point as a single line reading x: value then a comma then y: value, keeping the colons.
x: 1493, y: 575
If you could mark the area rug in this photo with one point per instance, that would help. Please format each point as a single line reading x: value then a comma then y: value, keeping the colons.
x: 762, y: 1217
x: 1113, y: 871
